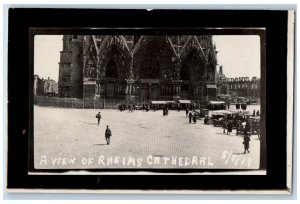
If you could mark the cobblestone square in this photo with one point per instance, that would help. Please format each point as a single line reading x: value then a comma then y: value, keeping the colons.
x: 72, y: 139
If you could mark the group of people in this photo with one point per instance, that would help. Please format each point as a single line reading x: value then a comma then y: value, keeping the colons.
x: 192, y: 117
x: 246, y: 130
x: 130, y: 107
x: 108, y: 133
x: 146, y: 107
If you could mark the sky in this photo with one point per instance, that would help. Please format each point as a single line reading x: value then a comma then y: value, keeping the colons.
x: 47, y: 55
x: 238, y: 54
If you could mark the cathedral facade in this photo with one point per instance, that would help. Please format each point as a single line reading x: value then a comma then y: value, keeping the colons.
x: 138, y: 68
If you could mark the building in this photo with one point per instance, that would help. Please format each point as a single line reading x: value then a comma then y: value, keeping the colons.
x: 239, y: 87
x: 244, y: 87
x: 38, y: 85
x: 138, y: 68
x: 50, y: 87
x: 43, y: 86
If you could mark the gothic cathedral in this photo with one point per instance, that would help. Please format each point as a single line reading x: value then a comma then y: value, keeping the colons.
x: 138, y: 68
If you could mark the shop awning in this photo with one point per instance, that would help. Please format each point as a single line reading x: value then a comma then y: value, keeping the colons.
x: 241, y: 113
x: 158, y: 102
x: 217, y: 102
x: 221, y: 112
x: 185, y: 101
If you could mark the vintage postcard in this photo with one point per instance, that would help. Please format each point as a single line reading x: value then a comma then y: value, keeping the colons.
x: 149, y: 102
x: 171, y: 105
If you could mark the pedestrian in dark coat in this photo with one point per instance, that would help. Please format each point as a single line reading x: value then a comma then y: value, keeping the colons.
x: 246, y: 143
x: 98, y: 116
x: 107, y: 135
x: 205, y: 120
x: 229, y: 127
x: 194, y: 118
x: 190, y: 116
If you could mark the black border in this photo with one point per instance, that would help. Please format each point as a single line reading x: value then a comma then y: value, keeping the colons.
x: 20, y: 74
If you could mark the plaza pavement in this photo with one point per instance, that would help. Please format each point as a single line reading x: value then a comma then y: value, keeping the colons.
x: 72, y: 139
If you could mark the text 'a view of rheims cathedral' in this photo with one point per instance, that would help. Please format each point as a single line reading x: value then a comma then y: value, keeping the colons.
x: 138, y: 68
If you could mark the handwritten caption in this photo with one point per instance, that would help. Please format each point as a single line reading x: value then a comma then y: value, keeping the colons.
x: 107, y: 161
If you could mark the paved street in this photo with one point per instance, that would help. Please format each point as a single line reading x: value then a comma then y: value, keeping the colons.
x: 71, y: 138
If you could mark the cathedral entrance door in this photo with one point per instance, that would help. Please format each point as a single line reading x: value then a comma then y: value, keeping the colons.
x: 154, y: 92
x: 110, y: 90
x: 145, y: 92
x: 185, y: 91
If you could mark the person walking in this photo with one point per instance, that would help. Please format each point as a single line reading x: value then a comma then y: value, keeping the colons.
x: 194, y: 118
x: 246, y: 143
x: 190, y: 116
x: 98, y: 116
x: 107, y: 135
x: 229, y: 127
x: 205, y: 120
